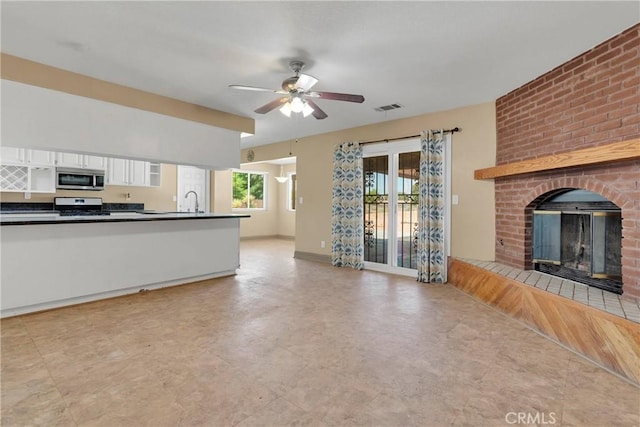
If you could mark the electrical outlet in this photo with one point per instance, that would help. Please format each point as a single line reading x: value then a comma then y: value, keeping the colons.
x: 322, y: 244
x: 301, y: 200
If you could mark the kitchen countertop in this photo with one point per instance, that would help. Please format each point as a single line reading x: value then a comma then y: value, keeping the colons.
x: 53, y: 217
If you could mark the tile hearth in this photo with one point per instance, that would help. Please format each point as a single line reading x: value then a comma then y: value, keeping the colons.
x: 579, y: 292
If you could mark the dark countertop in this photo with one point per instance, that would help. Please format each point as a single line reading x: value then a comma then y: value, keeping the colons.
x: 52, y: 217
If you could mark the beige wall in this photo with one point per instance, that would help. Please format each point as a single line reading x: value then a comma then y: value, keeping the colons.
x: 473, y: 219
x: 159, y: 198
x: 275, y: 220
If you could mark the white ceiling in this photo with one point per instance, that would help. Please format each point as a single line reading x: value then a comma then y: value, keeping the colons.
x: 426, y: 56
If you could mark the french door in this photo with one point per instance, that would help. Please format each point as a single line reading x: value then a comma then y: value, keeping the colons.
x: 391, y: 175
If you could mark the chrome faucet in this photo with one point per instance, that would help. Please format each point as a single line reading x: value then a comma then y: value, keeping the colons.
x: 195, y: 194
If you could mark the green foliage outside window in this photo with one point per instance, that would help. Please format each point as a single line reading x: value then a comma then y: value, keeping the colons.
x: 248, y: 190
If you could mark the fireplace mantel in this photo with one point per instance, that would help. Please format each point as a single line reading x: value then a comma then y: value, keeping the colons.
x: 615, y: 152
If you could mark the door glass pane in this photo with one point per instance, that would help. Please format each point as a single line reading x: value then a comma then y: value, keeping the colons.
x: 407, y: 209
x: 376, y: 208
x: 607, y: 247
x: 546, y: 236
x: 575, y: 231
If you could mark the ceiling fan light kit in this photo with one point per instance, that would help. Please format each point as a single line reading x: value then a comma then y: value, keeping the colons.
x: 297, y: 88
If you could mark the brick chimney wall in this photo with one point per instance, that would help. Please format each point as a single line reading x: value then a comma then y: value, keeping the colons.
x: 588, y: 101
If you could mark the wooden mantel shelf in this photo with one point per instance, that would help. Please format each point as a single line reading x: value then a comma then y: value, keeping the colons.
x: 618, y: 151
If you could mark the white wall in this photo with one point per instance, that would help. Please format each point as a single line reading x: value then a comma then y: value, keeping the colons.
x: 35, y: 117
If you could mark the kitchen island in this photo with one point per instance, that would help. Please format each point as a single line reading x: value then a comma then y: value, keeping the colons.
x: 49, y: 261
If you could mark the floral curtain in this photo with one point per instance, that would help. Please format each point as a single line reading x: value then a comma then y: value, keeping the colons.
x: 432, y: 263
x: 347, y: 245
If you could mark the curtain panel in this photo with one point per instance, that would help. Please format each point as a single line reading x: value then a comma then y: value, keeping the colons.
x: 432, y: 263
x: 347, y: 223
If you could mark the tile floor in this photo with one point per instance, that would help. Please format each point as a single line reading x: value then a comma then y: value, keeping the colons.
x: 294, y: 342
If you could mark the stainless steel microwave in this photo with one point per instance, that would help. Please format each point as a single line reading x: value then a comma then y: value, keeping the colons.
x: 79, y: 179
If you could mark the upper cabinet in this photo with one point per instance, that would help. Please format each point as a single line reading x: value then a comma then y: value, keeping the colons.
x: 73, y: 160
x: 136, y: 173
x: 24, y: 156
x: 26, y: 170
x: 9, y: 155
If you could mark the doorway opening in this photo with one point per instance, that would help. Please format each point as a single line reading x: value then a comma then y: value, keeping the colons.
x: 193, y: 179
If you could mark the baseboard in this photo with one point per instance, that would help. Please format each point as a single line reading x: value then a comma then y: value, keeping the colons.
x: 309, y: 256
x: 272, y: 236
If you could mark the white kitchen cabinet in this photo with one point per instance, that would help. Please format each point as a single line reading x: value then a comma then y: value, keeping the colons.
x: 27, y: 171
x: 24, y: 156
x: 10, y: 155
x: 94, y: 162
x: 155, y: 174
x: 128, y: 172
x: 139, y: 173
x: 73, y: 160
x: 27, y: 179
x: 40, y: 157
x: 117, y: 172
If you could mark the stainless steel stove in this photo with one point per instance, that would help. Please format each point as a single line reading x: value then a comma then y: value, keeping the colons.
x: 79, y: 206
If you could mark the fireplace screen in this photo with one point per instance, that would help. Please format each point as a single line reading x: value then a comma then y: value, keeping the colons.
x: 579, y: 244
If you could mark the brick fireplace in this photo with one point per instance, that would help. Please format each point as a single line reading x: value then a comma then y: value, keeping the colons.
x: 590, y: 101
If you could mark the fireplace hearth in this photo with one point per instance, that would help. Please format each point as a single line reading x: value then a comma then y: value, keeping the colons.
x: 577, y: 235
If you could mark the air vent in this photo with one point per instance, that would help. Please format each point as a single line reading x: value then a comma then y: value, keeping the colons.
x: 388, y: 107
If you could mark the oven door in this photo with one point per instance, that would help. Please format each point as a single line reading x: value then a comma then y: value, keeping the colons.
x: 70, y: 179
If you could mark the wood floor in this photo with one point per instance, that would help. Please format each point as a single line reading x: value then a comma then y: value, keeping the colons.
x: 295, y: 342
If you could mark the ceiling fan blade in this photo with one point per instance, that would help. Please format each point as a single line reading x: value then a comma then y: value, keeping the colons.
x: 317, y: 111
x: 305, y: 82
x: 257, y: 89
x: 337, y: 96
x: 271, y: 105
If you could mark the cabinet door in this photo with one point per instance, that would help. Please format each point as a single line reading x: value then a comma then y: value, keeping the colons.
x: 39, y: 157
x: 155, y: 174
x: 94, y: 162
x: 139, y: 173
x: 117, y: 172
x: 10, y: 155
x: 71, y: 160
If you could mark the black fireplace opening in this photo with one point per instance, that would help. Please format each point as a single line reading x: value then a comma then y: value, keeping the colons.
x: 577, y: 235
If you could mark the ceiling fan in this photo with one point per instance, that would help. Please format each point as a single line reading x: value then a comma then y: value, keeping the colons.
x: 297, y: 91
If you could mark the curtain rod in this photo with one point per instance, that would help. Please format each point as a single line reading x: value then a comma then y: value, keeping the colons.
x: 455, y: 129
